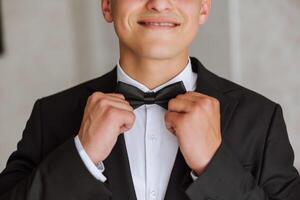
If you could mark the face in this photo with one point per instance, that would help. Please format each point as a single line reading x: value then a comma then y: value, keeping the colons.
x: 156, y: 29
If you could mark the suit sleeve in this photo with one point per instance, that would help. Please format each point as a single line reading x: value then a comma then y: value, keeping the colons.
x: 226, y: 179
x: 60, y: 175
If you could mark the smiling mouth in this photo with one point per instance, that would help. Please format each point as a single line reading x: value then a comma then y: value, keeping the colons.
x: 158, y: 25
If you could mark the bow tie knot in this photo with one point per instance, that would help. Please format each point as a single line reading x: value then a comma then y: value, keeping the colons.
x: 149, y: 97
x: 137, y: 97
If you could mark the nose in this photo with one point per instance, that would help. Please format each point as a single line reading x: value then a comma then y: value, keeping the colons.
x: 159, y: 5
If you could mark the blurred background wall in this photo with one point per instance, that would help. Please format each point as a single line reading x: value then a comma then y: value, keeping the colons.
x: 51, y: 45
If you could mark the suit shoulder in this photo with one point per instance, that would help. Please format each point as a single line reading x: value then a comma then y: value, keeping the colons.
x: 244, y: 94
x: 71, y: 95
x: 230, y: 88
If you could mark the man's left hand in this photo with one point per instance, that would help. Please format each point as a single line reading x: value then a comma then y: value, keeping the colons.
x: 195, y: 119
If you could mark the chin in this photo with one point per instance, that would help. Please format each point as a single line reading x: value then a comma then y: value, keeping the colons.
x: 159, y: 52
x: 158, y: 55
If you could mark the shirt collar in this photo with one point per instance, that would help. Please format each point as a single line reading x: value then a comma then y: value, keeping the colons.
x: 186, y: 75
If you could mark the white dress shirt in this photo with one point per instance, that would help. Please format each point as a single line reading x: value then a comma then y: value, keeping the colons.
x: 151, y: 147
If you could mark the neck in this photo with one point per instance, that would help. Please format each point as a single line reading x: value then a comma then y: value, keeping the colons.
x: 152, y: 72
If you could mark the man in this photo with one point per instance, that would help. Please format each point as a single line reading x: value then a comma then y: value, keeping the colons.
x: 157, y: 126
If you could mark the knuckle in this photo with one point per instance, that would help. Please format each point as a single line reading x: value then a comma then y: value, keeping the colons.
x: 216, y: 102
x: 121, y: 95
x: 197, y: 104
x: 103, y: 102
x: 110, y: 112
x: 207, y: 101
x: 171, y: 103
x: 95, y: 96
x: 166, y: 116
x: 213, y: 101
x: 130, y: 117
x: 185, y: 119
x: 180, y: 95
x: 131, y: 122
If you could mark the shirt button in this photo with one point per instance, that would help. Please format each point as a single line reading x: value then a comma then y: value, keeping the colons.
x: 153, y: 195
x: 152, y: 137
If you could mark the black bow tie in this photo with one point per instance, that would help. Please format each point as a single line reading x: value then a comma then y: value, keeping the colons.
x: 137, y: 97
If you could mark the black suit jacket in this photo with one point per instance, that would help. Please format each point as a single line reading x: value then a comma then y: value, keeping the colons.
x: 254, y: 161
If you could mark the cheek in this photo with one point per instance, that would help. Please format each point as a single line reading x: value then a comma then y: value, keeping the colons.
x: 190, y: 10
x: 125, y: 15
x: 190, y: 13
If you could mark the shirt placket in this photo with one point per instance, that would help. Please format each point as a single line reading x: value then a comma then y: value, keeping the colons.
x: 151, y: 143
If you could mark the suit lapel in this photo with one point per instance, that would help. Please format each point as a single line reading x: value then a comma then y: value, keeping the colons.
x: 211, y: 85
x: 118, y: 173
x: 207, y: 83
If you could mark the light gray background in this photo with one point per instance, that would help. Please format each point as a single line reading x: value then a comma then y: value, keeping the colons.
x: 52, y: 45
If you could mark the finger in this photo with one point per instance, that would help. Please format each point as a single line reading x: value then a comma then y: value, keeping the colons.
x: 100, y: 95
x: 171, y: 121
x: 192, y: 95
x: 124, y: 105
x: 183, y: 105
x: 118, y: 95
x: 197, y: 97
x: 187, y: 97
x: 127, y: 120
x: 124, y: 128
x: 195, y: 93
x: 112, y: 102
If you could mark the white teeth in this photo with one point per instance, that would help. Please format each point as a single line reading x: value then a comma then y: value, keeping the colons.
x: 160, y: 24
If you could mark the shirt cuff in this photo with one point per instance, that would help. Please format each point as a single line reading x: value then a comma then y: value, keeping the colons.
x: 95, y: 170
x: 193, y: 175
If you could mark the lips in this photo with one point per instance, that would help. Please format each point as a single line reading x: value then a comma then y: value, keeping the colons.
x: 159, y: 23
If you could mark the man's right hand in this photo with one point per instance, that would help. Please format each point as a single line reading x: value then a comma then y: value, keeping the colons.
x: 106, y: 116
